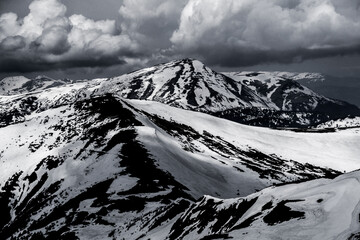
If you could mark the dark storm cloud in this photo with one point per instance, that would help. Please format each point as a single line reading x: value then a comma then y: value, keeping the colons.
x: 25, y: 65
x: 228, y: 33
x: 251, y: 57
x: 12, y: 43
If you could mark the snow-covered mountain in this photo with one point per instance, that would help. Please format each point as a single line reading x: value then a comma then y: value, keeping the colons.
x: 297, y: 76
x: 341, y: 123
x: 104, y: 166
x: 21, y: 84
x: 288, y: 94
x: 99, y: 160
x: 319, y: 209
x: 187, y: 84
x: 260, y: 99
x: 284, y: 92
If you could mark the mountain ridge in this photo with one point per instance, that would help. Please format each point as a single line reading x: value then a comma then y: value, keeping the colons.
x: 105, y: 159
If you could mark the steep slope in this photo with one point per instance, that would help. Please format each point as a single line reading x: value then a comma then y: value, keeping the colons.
x: 189, y: 84
x: 320, y: 209
x: 105, y: 168
x: 286, y: 93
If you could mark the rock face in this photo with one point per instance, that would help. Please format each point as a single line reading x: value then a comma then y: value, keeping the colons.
x: 94, y: 160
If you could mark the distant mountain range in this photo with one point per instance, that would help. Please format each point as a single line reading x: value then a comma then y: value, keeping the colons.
x: 342, y: 88
x: 253, y: 98
x: 348, y: 122
x: 144, y: 156
x: 21, y: 84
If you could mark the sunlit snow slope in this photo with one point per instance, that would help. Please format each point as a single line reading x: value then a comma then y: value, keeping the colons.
x: 338, y: 150
x: 319, y: 209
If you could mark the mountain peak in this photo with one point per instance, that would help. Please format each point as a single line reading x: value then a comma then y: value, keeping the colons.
x: 186, y: 83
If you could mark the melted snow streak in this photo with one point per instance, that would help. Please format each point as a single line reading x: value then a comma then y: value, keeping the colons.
x: 110, y: 159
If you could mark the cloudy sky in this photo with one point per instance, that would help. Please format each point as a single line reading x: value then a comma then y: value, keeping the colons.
x: 91, y: 38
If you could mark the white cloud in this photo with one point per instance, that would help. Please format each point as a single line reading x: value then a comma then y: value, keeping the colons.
x: 86, y: 24
x: 227, y: 32
x: 47, y: 35
x: 9, y: 25
x: 42, y: 13
x: 263, y: 25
